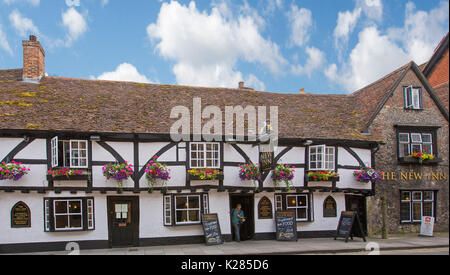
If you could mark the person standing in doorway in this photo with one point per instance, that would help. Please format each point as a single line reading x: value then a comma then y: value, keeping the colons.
x: 237, y: 218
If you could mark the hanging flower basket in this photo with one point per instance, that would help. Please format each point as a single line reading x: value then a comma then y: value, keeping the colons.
x: 250, y: 172
x: 118, y: 172
x: 205, y: 174
x: 323, y: 176
x: 67, y: 174
x: 12, y: 171
x: 156, y: 171
x: 368, y: 174
x: 284, y: 173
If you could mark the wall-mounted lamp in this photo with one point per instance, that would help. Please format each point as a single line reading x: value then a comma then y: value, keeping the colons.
x: 308, y: 142
x: 26, y: 138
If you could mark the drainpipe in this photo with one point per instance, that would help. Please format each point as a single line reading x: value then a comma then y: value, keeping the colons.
x: 384, y: 234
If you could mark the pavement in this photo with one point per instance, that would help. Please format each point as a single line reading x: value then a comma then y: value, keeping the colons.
x: 301, y: 247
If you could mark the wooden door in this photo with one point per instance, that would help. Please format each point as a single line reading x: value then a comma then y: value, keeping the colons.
x: 123, y: 221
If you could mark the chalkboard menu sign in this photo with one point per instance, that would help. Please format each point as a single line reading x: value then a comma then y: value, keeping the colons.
x: 349, y: 226
x: 266, y: 160
x: 265, y: 209
x: 286, y: 223
x: 211, y: 229
x: 20, y: 216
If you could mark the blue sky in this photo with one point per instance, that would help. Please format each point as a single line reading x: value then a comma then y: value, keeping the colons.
x: 273, y: 45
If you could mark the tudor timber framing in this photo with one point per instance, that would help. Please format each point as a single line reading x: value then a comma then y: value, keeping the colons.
x: 138, y: 138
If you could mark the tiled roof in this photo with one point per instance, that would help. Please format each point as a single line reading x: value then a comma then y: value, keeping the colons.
x: 442, y: 92
x: 105, y: 106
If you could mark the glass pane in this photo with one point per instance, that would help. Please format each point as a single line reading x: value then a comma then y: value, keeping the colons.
x: 75, y: 163
x: 83, y: 153
x: 208, y: 147
x: 292, y: 201
x: 74, y: 145
x: 403, y: 137
x: 74, y: 207
x: 428, y: 196
x: 209, y: 163
x: 193, y: 147
x: 428, y: 209
x: 61, y: 222
x: 301, y: 213
x: 60, y: 207
x: 83, y: 145
x: 427, y: 149
x: 426, y: 138
x: 194, y: 216
x: 181, y: 203
x: 404, y: 149
x: 417, y: 211
x: 417, y: 196
x: 416, y: 137
x: 302, y: 201
x: 182, y: 216
x: 194, y: 202
x: 406, y: 196
x: 416, y: 148
x: 75, y: 154
x: 83, y: 163
x: 404, y: 211
x: 75, y: 221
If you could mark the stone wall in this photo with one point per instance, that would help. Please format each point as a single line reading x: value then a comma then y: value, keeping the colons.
x: 386, y: 159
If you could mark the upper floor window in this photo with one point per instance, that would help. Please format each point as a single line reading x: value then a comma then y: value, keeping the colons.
x: 410, y: 142
x: 321, y: 158
x: 205, y: 155
x: 69, y: 153
x: 413, y: 98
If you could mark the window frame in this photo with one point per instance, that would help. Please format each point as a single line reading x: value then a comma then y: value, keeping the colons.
x: 307, y: 208
x: 173, y: 209
x: 68, y: 214
x: 409, y: 93
x: 49, y: 221
x: 309, y: 201
x: 423, y: 131
x: 411, y: 202
x: 205, y: 159
x: 55, y: 146
x: 324, y: 154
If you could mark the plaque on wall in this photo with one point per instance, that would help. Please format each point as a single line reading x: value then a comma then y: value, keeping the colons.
x: 265, y: 210
x: 266, y: 160
x: 20, y: 216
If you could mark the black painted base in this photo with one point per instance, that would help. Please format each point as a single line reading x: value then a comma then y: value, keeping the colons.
x: 91, y: 245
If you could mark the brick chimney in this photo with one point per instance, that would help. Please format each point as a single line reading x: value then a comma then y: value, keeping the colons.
x: 33, y: 59
x: 241, y: 85
x: 302, y: 91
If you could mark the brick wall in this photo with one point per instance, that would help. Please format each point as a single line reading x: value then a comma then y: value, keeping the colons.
x: 440, y: 73
x: 386, y: 159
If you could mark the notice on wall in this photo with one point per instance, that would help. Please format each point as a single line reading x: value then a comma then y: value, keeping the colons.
x: 20, y: 216
x: 427, y: 227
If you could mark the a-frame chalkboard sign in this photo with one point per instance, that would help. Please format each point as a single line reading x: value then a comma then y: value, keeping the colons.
x: 349, y: 226
x: 211, y: 228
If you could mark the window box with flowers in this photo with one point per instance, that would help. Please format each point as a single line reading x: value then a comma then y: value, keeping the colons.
x: 367, y: 174
x: 12, y: 171
x: 67, y: 174
x: 118, y: 172
x: 250, y: 172
x: 420, y: 158
x: 205, y: 174
x: 283, y: 173
x: 156, y: 172
x: 323, y: 176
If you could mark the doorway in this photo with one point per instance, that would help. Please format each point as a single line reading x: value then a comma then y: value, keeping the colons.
x: 123, y: 221
x: 358, y: 204
x: 248, y: 206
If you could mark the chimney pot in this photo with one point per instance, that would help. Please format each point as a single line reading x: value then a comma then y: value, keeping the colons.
x: 32, y: 38
x: 302, y: 91
x: 241, y: 85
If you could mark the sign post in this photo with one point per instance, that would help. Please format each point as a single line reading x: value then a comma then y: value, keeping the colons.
x: 286, y: 223
x: 349, y: 226
x: 211, y: 229
x: 427, y: 227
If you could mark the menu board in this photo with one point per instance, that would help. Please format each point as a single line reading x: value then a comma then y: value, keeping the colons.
x: 211, y: 229
x: 286, y: 223
x: 265, y: 210
x: 349, y: 226
x: 427, y: 227
x: 20, y: 216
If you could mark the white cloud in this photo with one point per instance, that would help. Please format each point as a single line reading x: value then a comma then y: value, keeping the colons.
x: 104, y: 2
x: 316, y: 60
x: 23, y: 25
x: 207, y: 46
x: 4, y: 42
x: 373, y: 9
x: 124, y: 72
x: 75, y: 24
x: 32, y: 2
x: 301, y: 22
x: 73, y: 3
x: 346, y: 23
x: 270, y: 6
x: 378, y: 53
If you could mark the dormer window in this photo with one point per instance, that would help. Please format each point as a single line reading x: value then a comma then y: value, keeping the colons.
x: 413, y: 98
